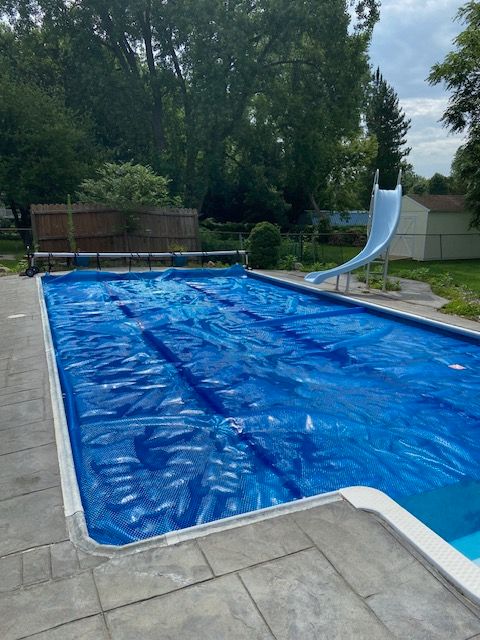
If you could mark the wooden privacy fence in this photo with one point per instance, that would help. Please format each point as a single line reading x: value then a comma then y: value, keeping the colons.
x: 100, y: 228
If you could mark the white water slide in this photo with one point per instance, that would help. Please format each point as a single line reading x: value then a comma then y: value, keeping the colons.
x: 385, y: 208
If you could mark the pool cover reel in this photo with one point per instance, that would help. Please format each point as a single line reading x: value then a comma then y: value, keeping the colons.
x: 201, y: 394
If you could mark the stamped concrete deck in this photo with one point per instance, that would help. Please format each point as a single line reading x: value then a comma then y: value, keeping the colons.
x: 325, y: 573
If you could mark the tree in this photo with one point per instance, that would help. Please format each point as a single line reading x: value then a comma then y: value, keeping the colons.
x: 466, y: 175
x: 439, y: 184
x: 413, y: 183
x: 459, y: 72
x: 45, y: 151
x: 245, y: 104
x: 387, y: 121
x: 125, y: 185
x: 459, y: 184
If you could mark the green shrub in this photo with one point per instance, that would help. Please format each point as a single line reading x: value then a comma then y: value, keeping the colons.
x: 127, y: 184
x: 348, y: 238
x: 421, y: 273
x: 264, y: 246
x: 288, y: 262
x: 318, y: 266
x: 463, y: 307
x: 376, y: 281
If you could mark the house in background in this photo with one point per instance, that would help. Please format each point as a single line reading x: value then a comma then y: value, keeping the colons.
x: 435, y: 227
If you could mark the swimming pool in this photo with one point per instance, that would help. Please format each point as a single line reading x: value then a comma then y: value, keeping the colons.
x: 194, y: 396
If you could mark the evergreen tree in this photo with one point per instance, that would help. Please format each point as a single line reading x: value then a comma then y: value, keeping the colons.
x: 387, y: 121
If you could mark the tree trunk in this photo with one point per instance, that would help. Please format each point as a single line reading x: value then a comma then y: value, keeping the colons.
x: 158, y: 124
x: 21, y: 216
x: 321, y: 214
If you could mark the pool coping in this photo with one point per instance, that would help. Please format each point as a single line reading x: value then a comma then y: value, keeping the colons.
x: 450, y: 563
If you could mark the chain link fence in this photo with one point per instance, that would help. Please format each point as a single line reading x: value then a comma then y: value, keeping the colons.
x: 340, y: 245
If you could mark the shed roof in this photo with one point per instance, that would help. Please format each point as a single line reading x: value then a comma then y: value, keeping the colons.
x: 450, y: 203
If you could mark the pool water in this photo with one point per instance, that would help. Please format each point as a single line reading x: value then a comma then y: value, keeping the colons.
x: 193, y: 396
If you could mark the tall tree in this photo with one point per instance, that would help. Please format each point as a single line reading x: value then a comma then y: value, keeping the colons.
x: 387, y: 121
x: 439, y: 184
x: 460, y: 73
x: 197, y: 70
x: 44, y: 150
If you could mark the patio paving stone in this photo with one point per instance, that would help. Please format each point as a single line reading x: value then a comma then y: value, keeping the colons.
x: 87, y: 629
x: 27, y: 436
x: 360, y: 548
x: 27, y: 364
x: 243, y: 547
x: 64, y: 559
x: 149, y: 573
x: 36, y: 565
x: 216, y: 610
x: 10, y: 572
x: 49, y: 604
x: 419, y: 608
x: 302, y: 596
x: 89, y: 560
x: 26, y: 471
x: 21, y: 413
x: 24, y: 395
x: 29, y: 380
x: 31, y: 520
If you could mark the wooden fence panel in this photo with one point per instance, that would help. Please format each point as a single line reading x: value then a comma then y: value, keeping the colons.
x: 101, y: 228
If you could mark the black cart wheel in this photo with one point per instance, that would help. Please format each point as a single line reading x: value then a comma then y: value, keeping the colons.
x: 31, y: 271
x: 35, y: 269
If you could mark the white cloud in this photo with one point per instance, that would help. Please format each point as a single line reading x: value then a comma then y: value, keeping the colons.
x: 410, y: 37
x: 433, y: 150
x: 424, y: 107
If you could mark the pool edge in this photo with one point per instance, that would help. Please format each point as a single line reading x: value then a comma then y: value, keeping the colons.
x: 449, y: 562
x: 68, y: 477
x: 378, y: 308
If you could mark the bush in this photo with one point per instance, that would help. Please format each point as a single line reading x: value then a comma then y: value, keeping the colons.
x: 264, y: 246
x: 348, y: 238
x: 376, y: 281
x: 127, y: 184
x: 288, y: 262
x: 319, y: 266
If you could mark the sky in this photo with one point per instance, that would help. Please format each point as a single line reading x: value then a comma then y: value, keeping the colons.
x: 409, y: 38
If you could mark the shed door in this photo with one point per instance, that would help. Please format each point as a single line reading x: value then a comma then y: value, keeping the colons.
x: 404, y: 244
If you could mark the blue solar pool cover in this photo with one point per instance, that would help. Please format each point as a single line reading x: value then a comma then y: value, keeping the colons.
x: 193, y: 396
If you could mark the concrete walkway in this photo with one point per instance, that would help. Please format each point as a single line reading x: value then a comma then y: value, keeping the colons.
x: 414, y: 297
x: 330, y: 572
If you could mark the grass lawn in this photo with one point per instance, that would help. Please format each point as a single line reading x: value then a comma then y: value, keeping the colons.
x: 456, y: 280
x: 463, y: 272
x: 14, y: 247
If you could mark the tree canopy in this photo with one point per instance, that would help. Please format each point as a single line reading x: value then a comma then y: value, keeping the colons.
x: 126, y: 184
x: 387, y: 121
x: 44, y: 150
x: 251, y: 108
x: 459, y: 71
